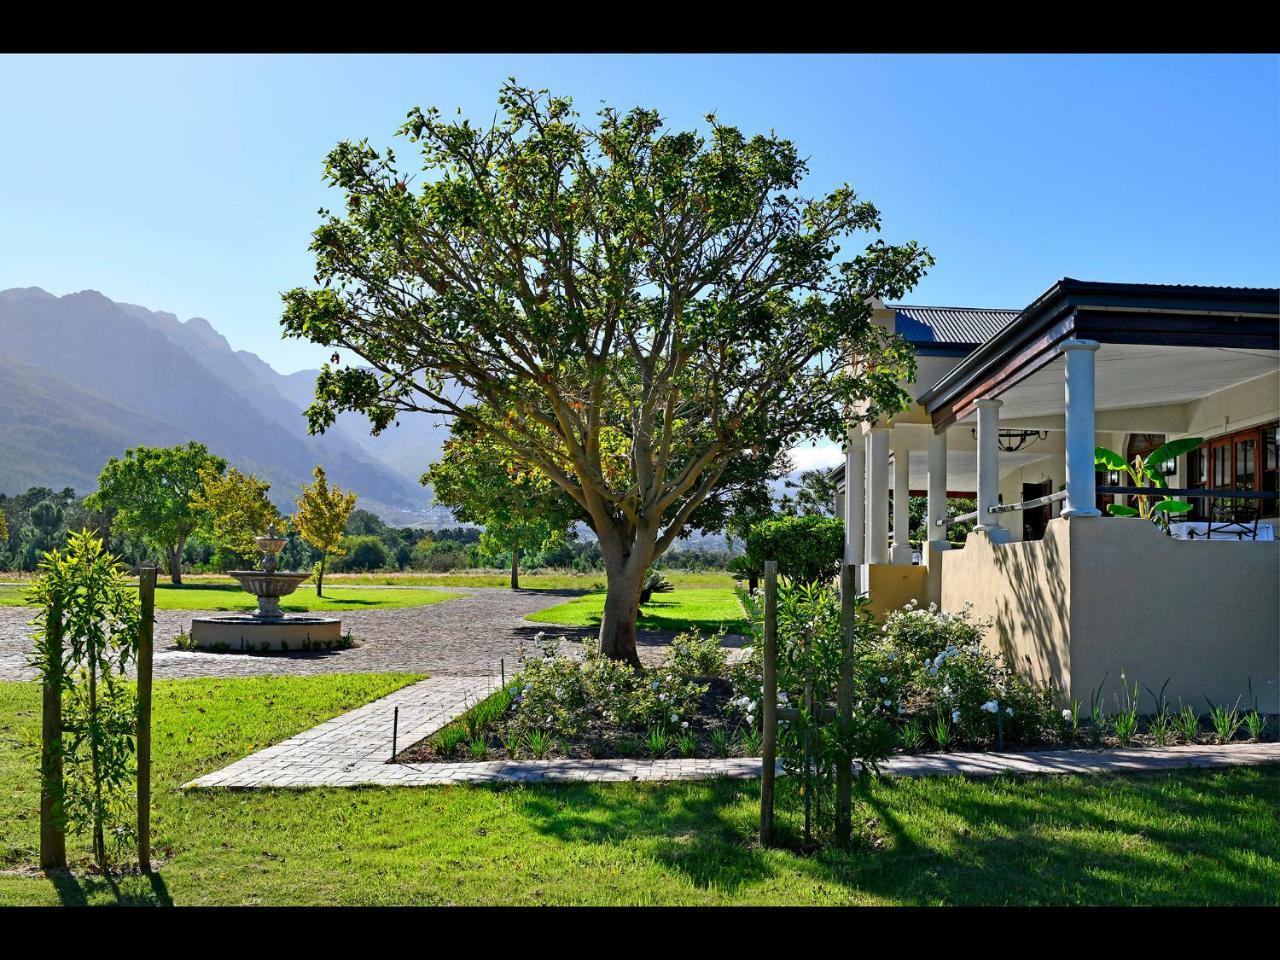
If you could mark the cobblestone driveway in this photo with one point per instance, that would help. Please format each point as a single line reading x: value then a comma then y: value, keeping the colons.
x: 463, y: 637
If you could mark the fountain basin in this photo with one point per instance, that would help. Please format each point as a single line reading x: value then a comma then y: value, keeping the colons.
x: 249, y: 633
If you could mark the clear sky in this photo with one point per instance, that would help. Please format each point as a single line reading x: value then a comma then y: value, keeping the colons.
x: 191, y: 183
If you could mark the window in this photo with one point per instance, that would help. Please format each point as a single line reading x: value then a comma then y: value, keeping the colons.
x: 1238, y: 461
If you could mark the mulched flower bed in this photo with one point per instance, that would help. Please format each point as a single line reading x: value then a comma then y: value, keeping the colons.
x: 599, y: 739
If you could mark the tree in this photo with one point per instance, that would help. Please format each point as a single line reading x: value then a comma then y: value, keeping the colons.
x: 644, y: 316
x: 234, y: 509
x: 365, y: 552
x: 482, y: 482
x: 816, y: 492
x: 150, y: 492
x: 321, y: 519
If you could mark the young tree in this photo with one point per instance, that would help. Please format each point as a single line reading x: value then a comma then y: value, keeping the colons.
x: 321, y: 519
x: 234, y: 509
x: 150, y: 492
x: 483, y: 482
x: 631, y: 311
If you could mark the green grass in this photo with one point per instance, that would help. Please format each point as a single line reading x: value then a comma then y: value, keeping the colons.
x: 232, y: 597
x: 706, y: 610
x: 1186, y: 837
x: 549, y: 580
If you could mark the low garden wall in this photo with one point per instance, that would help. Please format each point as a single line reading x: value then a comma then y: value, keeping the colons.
x: 1102, y: 596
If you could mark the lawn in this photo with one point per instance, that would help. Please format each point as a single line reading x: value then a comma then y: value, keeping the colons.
x: 1187, y: 837
x: 544, y: 580
x: 215, y: 596
x: 706, y: 610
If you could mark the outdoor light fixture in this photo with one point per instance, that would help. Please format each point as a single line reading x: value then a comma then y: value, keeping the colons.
x: 1011, y: 441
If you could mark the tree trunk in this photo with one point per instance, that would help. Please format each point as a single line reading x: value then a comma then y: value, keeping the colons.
x: 621, y: 607
x: 175, y: 562
x: 515, y: 567
x: 320, y: 575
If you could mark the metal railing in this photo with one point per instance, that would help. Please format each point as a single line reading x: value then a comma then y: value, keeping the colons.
x: 1191, y: 493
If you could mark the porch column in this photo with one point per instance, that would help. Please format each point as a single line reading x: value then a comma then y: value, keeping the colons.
x: 989, y: 468
x: 1081, y: 496
x: 901, y: 552
x: 855, y: 498
x: 935, y: 535
x: 878, y: 495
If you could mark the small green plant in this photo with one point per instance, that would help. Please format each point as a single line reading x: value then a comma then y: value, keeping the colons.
x: 183, y: 641
x: 654, y: 582
x: 656, y: 742
x: 478, y: 748
x: 1161, y: 729
x: 749, y: 741
x: 940, y: 731
x: 1187, y: 722
x: 1097, y: 717
x: 911, y: 736
x: 1125, y: 723
x: 538, y: 743
x: 720, y: 742
x: 448, y: 739
x: 511, y: 742
x: 1256, y: 724
x: 1225, y: 721
x: 688, y: 745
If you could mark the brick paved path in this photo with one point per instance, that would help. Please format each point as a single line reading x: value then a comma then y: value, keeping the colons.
x: 463, y: 637
x: 353, y: 749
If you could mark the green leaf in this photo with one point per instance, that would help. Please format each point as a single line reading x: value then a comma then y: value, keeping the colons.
x: 1120, y: 510
x: 1174, y: 448
x: 1108, y: 458
x: 1172, y: 506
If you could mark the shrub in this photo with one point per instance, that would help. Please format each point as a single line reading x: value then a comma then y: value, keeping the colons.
x: 365, y: 552
x: 807, y: 548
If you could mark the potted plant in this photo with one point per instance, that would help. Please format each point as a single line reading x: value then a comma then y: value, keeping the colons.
x: 1144, y: 469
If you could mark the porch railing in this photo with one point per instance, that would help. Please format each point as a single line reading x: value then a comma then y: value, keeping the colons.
x: 1191, y: 493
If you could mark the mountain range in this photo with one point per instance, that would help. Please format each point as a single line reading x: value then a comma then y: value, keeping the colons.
x: 83, y: 377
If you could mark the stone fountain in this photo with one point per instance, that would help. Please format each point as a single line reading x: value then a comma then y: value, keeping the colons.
x: 266, y: 628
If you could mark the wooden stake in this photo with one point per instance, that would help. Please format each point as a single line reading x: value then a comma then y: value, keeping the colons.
x: 147, y: 597
x: 53, y: 837
x: 769, y: 704
x: 844, y: 699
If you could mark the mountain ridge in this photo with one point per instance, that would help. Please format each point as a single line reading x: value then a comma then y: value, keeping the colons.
x: 82, y: 373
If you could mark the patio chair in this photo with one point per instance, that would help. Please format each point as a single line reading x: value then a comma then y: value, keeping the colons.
x: 1231, y: 518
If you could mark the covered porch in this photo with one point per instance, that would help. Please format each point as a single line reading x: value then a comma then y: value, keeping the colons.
x: 1077, y: 597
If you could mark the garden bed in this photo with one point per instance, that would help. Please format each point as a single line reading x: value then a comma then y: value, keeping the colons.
x: 923, y: 683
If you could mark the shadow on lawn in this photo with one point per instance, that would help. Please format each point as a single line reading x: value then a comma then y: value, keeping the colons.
x: 1141, y: 839
x: 140, y: 890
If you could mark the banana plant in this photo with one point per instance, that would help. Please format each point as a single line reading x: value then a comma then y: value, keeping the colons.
x: 1142, y: 469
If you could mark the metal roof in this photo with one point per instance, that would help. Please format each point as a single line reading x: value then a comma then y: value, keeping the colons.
x: 965, y: 326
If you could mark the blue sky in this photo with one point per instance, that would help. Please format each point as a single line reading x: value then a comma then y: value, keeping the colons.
x: 191, y: 184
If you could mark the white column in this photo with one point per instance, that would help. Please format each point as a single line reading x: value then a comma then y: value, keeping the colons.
x: 878, y: 496
x: 1081, y: 496
x: 901, y: 552
x: 936, y: 535
x: 855, y: 498
x: 989, y: 468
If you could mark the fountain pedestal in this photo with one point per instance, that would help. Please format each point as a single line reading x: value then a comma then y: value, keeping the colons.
x: 267, y: 628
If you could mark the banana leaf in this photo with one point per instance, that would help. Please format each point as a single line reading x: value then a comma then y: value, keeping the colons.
x: 1172, y: 506
x: 1108, y: 458
x: 1120, y: 510
x: 1174, y: 448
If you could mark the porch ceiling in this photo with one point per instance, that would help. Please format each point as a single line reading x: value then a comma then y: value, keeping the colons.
x: 1131, y: 376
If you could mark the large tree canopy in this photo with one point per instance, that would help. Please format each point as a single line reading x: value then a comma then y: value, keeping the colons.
x: 643, y: 315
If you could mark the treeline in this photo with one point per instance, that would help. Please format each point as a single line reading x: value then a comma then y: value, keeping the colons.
x: 41, y: 519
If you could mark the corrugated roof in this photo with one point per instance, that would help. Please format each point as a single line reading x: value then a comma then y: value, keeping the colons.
x: 968, y: 326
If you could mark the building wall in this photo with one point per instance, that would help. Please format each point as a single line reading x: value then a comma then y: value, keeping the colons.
x: 1101, y: 596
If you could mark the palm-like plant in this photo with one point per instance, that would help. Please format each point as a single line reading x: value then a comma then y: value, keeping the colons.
x: 654, y: 582
x: 1143, y: 469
